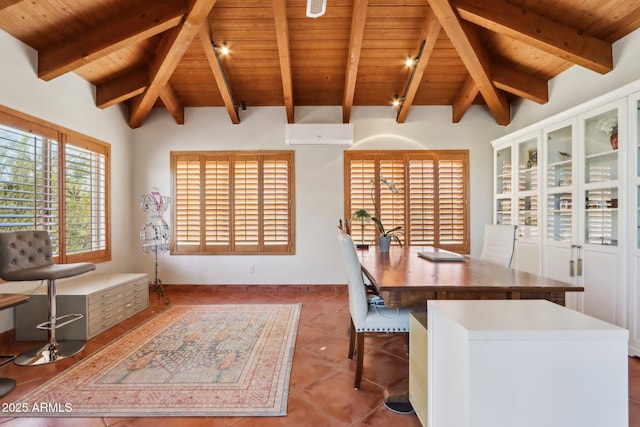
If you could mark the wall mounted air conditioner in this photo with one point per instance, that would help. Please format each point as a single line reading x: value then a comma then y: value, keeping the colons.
x: 319, y: 134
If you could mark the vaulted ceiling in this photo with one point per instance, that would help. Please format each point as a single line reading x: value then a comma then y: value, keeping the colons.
x: 169, y: 54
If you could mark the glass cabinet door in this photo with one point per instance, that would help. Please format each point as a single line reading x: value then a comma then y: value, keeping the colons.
x: 559, y: 180
x: 600, y: 179
x: 528, y: 188
x: 503, y: 171
x: 504, y: 189
x: 559, y: 216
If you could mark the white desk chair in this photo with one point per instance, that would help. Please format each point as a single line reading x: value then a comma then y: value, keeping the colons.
x: 499, y: 244
x: 366, y: 318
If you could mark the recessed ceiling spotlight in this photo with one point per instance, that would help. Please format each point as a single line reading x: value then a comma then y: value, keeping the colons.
x: 409, y: 62
x: 396, y: 101
x: 224, y: 49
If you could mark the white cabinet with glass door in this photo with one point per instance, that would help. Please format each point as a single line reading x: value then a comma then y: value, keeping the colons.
x: 561, y: 255
x: 633, y: 282
x: 601, y: 232
x: 583, y: 237
x: 527, y: 196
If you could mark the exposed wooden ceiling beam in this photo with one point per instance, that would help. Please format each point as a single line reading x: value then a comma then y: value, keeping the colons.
x: 469, y: 48
x: 171, y: 49
x: 218, y: 73
x: 7, y: 3
x: 122, y: 88
x: 172, y: 103
x: 282, y: 35
x: 520, y: 84
x: 358, y: 19
x: 463, y: 101
x: 135, y: 26
x: 429, y: 37
x: 540, y: 32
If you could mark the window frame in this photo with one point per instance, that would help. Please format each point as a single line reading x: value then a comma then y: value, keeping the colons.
x: 231, y: 246
x: 100, y: 252
x: 404, y: 156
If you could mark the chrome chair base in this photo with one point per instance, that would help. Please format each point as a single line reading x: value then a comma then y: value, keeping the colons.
x: 49, y: 353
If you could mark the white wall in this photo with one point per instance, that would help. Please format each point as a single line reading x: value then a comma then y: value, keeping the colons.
x: 319, y: 180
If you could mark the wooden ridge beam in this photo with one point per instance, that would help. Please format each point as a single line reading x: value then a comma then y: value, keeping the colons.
x: 171, y: 49
x: 542, y: 33
x: 428, y: 38
x: 358, y: 19
x: 467, y: 43
x: 137, y: 25
x: 284, y: 54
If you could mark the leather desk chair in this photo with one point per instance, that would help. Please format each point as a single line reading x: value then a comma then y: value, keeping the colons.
x: 28, y: 256
x: 499, y: 243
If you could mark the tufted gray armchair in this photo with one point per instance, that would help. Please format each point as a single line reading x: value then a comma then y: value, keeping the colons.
x: 28, y: 256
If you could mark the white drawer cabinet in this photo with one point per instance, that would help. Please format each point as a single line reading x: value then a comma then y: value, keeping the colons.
x: 103, y: 299
x: 524, y: 363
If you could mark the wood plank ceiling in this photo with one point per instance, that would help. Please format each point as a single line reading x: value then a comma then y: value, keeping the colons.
x: 168, y: 54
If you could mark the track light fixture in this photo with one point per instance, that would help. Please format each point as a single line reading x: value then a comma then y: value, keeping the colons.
x: 410, y: 62
x: 223, y: 50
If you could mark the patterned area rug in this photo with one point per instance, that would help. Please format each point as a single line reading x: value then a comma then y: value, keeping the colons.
x: 201, y: 360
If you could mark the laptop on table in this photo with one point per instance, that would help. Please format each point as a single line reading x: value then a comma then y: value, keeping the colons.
x: 439, y: 255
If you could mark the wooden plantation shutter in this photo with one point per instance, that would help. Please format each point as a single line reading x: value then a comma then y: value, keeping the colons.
x: 429, y: 201
x: 233, y: 202
x: 360, y: 176
x: 187, y: 203
x: 246, y: 203
x: 451, y: 202
x: 275, y: 200
x: 217, y: 212
x: 86, y: 210
x: 422, y: 201
x: 391, y: 194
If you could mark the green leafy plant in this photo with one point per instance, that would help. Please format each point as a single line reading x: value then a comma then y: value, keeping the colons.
x: 361, y: 215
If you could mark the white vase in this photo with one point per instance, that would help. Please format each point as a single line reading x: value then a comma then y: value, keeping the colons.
x: 384, y: 242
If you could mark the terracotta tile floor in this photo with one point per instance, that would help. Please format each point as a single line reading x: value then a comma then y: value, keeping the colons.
x: 321, y: 389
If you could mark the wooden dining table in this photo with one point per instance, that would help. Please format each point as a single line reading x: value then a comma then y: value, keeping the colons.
x: 403, y: 279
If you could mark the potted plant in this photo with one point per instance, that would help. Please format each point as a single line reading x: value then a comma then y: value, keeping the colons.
x: 361, y: 215
x: 385, y: 236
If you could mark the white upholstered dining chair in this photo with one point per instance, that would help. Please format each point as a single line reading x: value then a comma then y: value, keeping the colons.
x: 499, y: 244
x: 366, y: 318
